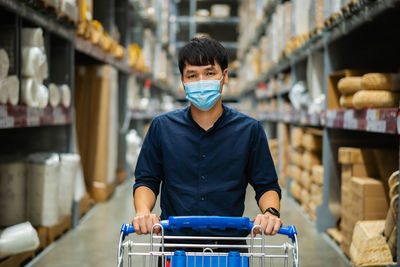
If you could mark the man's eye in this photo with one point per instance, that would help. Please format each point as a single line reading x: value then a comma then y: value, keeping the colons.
x: 210, y: 73
x: 191, y: 77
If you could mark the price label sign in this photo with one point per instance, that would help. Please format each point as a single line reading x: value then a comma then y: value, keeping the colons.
x: 376, y: 126
x: 32, y: 116
x: 330, y: 118
x: 349, y: 121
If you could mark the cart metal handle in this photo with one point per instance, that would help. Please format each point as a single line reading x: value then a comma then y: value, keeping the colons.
x: 210, y: 222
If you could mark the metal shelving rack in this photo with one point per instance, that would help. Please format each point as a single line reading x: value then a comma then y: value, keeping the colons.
x: 344, y: 44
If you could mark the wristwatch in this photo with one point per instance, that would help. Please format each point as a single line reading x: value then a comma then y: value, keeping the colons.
x: 273, y: 211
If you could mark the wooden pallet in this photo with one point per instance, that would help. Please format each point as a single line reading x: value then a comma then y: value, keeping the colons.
x: 17, y: 260
x: 85, y: 205
x: 121, y: 176
x: 56, y: 231
x: 42, y: 233
x: 336, y: 235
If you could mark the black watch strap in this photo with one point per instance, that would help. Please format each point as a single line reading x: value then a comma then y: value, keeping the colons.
x: 273, y: 211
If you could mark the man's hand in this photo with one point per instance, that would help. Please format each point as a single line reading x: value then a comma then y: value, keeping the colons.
x: 270, y: 223
x: 144, y: 222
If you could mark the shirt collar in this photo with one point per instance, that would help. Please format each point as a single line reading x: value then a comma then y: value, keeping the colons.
x: 218, y: 122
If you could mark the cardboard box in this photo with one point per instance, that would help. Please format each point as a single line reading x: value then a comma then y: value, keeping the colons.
x: 305, y: 180
x: 316, y: 194
x: 358, y: 170
x: 295, y: 172
x: 312, y: 142
x: 311, y: 159
x: 295, y: 190
x: 352, y: 155
x: 296, y: 137
x: 296, y: 158
x: 317, y: 174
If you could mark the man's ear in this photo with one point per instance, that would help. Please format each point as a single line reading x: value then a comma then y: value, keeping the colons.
x: 225, y: 76
x: 183, y: 85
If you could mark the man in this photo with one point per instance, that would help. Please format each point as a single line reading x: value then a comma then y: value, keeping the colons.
x: 205, y: 155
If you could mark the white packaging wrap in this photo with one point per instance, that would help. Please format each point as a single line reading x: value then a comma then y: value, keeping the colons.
x: 55, y: 96
x: 4, y: 64
x: 43, y: 182
x: 17, y: 239
x: 43, y: 72
x: 69, y: 8
x: 11, y: 83
x: 3, y: 92
x: 32, y: 57
x: 43, y: 96
x: 68, y: 171
x: 32, y: 37
x: 30, y: 92
x: 12, y: 192
x: 113, y: 127
x: 80, y: 187
x: 65, y: 95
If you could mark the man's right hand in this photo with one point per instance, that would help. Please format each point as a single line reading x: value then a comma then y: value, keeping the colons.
x: 144, y: 222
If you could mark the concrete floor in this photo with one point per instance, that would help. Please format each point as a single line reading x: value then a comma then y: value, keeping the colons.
x: 94, y: 242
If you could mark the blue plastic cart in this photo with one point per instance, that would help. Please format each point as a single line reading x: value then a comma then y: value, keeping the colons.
x: 155, y: 254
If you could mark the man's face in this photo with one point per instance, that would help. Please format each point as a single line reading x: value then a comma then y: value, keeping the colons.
x: 193, y: 73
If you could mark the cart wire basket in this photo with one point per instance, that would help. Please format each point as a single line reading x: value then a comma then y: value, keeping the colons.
x: 192, y: 251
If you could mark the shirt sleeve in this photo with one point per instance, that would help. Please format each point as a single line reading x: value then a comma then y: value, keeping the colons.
x: 149, y: 168
x: 260, y: 167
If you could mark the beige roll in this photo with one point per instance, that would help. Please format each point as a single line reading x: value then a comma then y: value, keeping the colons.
x: 346, y: 101
x: 3, y: 92
x: 375, y: 99
x: 65, y: 95
x: 349, y: 85
x: 4, y: 64
x: 55, y: 96
x: 31, y: 59
x: 381, y: 81
x: 32, y: 37
x: 43, y: 96
x: 30, y: 92
x: 12, y: 85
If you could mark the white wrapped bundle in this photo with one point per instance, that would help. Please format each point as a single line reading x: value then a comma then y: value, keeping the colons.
x: 11, y: 84
x: 42, y: 197
x: 55, y: 96
x: 32, y: 37
x: 43, y: 72
x: 68, y: 172
x: 3, y: 92
x: 12, y: 193
x: 43, y: 96
x: 65, y: 95
x: 17, y: 239
x: 32, y: 57
x: 80, y: 187
x: 69, y: 8
x: 30, y: 92
x: 4, y: 63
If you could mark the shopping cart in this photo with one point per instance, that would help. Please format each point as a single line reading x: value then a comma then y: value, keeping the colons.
x: 159, y: 251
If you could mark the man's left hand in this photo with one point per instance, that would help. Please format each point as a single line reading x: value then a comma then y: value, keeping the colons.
x: 270, y: 223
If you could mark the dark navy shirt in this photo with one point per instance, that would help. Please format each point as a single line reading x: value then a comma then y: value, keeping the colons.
x: 205, y: 172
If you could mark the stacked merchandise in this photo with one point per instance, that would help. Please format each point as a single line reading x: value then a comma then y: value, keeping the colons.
x: 362, y: 197
x: 64, y: 8
x: 29, y: 191
x: 9, y: 84
x: 92, y: 30
x: 372, y: 90
x: 133, y: 144
x: 306, y: 169
x: 97, y: 129
x: 391, y: 229
x: 273, y: 148
x: 283, y: 152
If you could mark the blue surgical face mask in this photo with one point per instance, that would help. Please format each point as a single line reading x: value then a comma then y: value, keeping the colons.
x: 204, y: 93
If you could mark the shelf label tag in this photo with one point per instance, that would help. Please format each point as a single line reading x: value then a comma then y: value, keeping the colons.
x: 376, y: 126
x: 32, y: 116
x: 10, y: 122
x: 349, y: 121
x: 372, y: 115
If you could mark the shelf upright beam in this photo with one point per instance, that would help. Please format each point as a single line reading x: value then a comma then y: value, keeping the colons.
x: 192, y: 25
x: 331, y: 182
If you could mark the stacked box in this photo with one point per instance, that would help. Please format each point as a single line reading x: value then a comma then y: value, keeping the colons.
x: 284, y: 152
x: 355, y: 162
x: 295, y: 169
x: 273, y: 148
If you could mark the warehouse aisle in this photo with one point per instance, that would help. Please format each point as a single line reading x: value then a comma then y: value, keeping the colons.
x: 94, y: 242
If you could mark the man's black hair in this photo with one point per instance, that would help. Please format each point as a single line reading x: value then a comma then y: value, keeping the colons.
x: 201, y: 52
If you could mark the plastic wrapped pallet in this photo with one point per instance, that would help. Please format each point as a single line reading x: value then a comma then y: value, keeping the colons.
x: 43, y: 182
x: 43, y: 96
x: 375, y: 99
x: 69, y: 164
x: 4, y: 64
x: 349, y: 85
x: 17, y: 239
x: 32, y: 37
x: 346, y: 101
x: 12, y: 192
x: 369, y: 247
x: 381, y: 81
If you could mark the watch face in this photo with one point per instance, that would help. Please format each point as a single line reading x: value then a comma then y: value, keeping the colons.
x: 274, y: 211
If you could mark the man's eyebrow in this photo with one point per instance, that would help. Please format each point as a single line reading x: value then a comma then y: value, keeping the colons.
x: 210, y: 68
x: 190, y: 71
